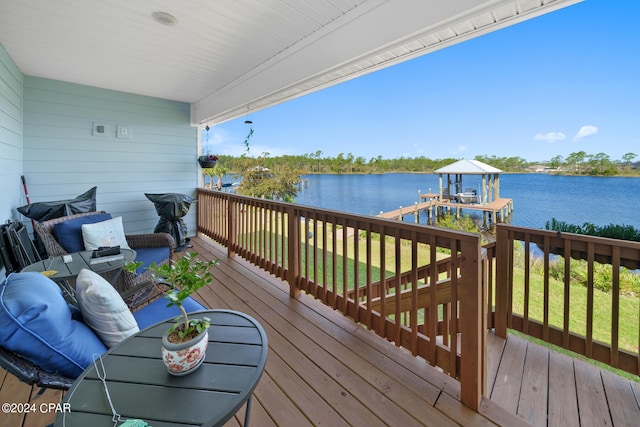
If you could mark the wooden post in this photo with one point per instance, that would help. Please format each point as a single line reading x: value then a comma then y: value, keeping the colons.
x: 293, y: 244
x: 473, y: 325
x: 502, y: 281
x: 232, y: 208
x: 485, y: 199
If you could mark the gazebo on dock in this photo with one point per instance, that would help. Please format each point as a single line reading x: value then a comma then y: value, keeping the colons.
x: 490, y: 190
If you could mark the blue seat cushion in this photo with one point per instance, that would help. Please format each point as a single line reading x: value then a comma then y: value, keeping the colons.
x: 158, y: 311
x: 69, y: 233
x: 149, y: 255
x: 36, y: 323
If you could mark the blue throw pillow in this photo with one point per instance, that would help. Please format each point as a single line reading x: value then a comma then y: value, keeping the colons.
x: 149, y: 255
x: 36, y: 323
x: 158, y: 311
x: 69, y: 233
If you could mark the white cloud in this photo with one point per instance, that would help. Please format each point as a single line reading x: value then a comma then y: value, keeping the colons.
x: 550, y: 137
x: 458, y: 150
x: 214, y: 138
x: 585, y: 131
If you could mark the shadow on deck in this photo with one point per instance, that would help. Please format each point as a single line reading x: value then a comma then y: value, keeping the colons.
x: 323, y: 369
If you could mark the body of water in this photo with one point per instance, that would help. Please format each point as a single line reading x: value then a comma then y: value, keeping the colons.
x: 536, y: 197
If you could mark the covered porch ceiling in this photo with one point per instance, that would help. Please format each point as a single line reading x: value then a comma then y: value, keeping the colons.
x: 230, y: 57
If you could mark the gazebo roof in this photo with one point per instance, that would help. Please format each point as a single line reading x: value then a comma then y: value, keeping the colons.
x: 468, y: 167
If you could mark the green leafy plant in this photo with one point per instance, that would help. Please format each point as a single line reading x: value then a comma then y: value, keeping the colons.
x: 248, y: 137
x: 184, y: 276
x: 614, y: 231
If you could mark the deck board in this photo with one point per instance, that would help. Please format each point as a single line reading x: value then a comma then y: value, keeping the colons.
x: 532, y: 405
x: 623, y: 405
x: 563, y: 405
x: 506, y: 391
x: 592, y: 400
x: 323, y: 369
x: 495, y: 348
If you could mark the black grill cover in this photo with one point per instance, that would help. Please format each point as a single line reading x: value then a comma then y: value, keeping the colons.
x: 42, y: 211
x: 171, y: 207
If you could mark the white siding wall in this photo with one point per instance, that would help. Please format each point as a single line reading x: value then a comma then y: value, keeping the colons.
x: 11, y: 194
x: 62, y: 157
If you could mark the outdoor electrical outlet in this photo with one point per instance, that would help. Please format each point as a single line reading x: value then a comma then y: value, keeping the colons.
x: 123, y: 132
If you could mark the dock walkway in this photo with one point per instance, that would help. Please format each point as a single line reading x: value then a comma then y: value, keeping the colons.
x: 496, y: 211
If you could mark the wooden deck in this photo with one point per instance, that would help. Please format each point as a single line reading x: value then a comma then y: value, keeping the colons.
x: 323, y: 369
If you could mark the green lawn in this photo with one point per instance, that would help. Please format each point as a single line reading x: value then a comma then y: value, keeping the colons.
x: 628, y: 323
x: 629, y: 305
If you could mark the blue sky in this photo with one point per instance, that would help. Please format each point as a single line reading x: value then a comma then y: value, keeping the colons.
x: 564, y: 82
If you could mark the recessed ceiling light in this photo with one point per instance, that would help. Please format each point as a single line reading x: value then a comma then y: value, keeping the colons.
x: 164, y: 18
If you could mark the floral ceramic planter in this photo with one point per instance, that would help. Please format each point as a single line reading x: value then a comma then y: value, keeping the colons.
x: 184, y: 358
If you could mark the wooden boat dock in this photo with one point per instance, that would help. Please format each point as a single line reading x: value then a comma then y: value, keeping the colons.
x: 492, y: 212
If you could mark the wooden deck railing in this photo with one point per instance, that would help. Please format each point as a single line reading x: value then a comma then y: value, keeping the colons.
x: 397, y: 279
x: 535, y: 293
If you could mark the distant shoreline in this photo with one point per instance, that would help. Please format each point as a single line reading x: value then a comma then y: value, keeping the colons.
x: 502, y: 173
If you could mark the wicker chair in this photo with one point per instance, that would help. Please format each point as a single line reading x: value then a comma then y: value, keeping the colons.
x: 137, y: 292
x: 135, y: 288
x: 32, y: 374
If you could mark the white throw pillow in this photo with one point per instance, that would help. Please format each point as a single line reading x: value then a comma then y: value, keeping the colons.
x: 105, y: 233
x: 103, y: 309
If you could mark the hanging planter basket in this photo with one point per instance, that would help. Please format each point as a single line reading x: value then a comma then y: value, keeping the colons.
x: 207, y: 161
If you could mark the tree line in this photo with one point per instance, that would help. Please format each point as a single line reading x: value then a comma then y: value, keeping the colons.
x: 578, y: 163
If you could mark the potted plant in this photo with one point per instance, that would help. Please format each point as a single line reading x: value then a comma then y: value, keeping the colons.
x: 185, y: 343
x: 207, y: 160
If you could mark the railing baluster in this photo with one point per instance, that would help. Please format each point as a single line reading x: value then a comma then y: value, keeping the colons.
x: 615, y: 305
x: 398, y: 290
x: 413, y: 317
x: 345, y: 268
x: 545, y: 304
x: 316, y: 279
x: 527, y: 280
x: 334, y: 264
x: 453, y: 306
x: 433, y: 301
x: 567, y: 292
x: 382, y: 327
x: 590, y: 306
x: 356, y: 271
x: 369, y: 274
